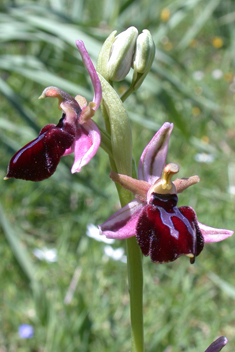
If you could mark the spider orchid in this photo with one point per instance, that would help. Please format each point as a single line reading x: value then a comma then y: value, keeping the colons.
x: 75, y: 133
x: 163, y: 230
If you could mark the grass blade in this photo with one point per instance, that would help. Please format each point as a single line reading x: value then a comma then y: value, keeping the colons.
x: 19, y: 252
x: 198, y: 24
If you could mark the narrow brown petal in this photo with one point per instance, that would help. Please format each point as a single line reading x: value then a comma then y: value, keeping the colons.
x: 183, y: 183
x: 137, y: 187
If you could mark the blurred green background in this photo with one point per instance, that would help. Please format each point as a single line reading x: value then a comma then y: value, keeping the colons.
x: 77, y: 299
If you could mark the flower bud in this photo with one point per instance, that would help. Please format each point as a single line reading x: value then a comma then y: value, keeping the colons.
x: 143, y: 59
x: 121, y: 56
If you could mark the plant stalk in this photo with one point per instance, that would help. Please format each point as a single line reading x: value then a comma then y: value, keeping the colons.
x: 135, y: 283
x: 135, y: 279
x: 134, y: 255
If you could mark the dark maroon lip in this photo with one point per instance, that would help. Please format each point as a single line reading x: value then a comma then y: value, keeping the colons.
x: 166, y: 232
x: 38, y: 159
x: 166, y: 201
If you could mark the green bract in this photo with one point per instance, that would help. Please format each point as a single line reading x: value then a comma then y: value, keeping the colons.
x: 120, y: 129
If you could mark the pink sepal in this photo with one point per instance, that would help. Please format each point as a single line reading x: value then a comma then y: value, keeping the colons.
x: 68, y: 151
x: 92, y: 72
x: 122, y: 224
x: 153, y: 158
x: 86, y: 146
x: 211, y: 234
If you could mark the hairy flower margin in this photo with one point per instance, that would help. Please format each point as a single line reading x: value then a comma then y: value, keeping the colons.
x: 75, y: 133
x: 163, y: 230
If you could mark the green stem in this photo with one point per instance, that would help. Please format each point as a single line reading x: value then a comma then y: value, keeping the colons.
x: 105, y: 142
x: 135, y: 281
x: 134, y: 260
x: 127, y: 93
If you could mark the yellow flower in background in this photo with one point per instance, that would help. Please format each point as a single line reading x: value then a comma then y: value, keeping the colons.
x: 198, y: 90
x: 217, y: 42
x: 196, y: 111
x: 193, y: 43
x: 168, y: 46
x: 165, y: 14
x: 228, y: 76
x: 205, y: 139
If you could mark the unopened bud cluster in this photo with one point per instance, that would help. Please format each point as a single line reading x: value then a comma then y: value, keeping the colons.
x: 127, y: 49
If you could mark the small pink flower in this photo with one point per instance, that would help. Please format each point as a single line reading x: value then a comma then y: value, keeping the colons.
x: 75, y: 133
x: 163, y: 230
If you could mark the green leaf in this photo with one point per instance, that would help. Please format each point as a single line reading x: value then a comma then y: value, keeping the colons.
x: 174, y: 116
x: 19, y: 252
x: 198, y: 24
x: 182, y: 88
x: 223, y: 285
x: 16, y: 102
x: 33, y: 69
x: 144, y: 121
x: 66, y: 31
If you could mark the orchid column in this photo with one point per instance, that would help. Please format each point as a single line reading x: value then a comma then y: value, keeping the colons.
x: 117, y: 56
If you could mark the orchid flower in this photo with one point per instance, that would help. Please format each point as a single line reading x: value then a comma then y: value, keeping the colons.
x: 75, y: 132
x: 163, y: 230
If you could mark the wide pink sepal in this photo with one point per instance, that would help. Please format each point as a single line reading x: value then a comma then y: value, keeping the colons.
x: 122, y: 224
x: 153, y: 158
x: 86, y: 146
x: 211, y: 234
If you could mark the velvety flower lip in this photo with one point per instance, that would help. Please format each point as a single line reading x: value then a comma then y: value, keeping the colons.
x: 163, y: 230
x: 75, y: 133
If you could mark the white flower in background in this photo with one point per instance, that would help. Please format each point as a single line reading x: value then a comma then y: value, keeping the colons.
x: 198, y: 75
x: 116, y: 254
x: 231, y: 190
x: 231, y: 178
x: 49, y: 255
x: 204, y: 158
x: 232, y: 87
x: 93, y: 232
x: 217, y: 74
